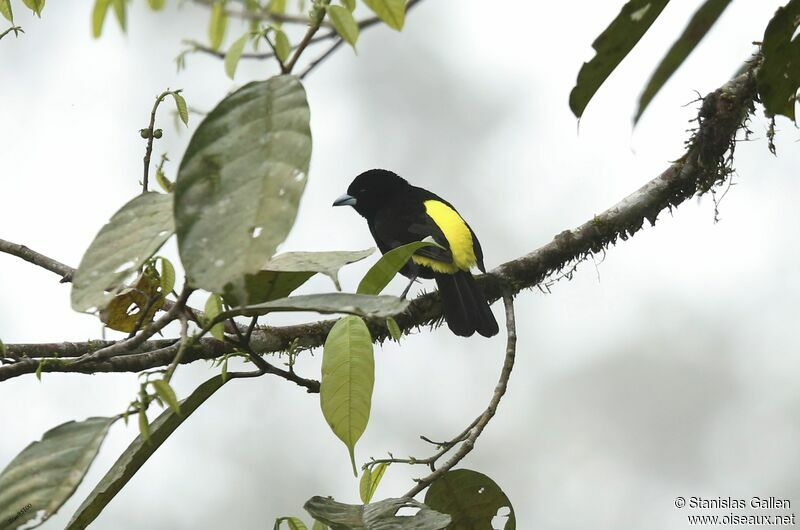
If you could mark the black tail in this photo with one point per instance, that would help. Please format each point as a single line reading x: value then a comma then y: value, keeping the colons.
x: 464, y: 306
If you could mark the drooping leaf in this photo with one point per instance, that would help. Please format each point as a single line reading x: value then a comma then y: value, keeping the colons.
x: 46, y: 473
x: 120, y: 12
x: 327, y: 263
x: 392, y: 12
x: 282, y: 45
x: 183, y: 109
x: 472, y: 499
x: 234, y: 53
x: 217, y: 24
x: 35, y: 5
x: 144, y: 425
x: 135, y: 304
x: 121, y: 247
x: 348, y: 375
x: 212, y: 309
x: 319, y: 526
x: 240, y: 181
x: 293, y: 523
x: 612, y: 46
x: 325, y: 303
x: 344, y: 23
x: 166, y: 275
x: 394, y: 329
x: 376, y: 516
x: 157, y: 5
x: 138, y: 453
x: 698, y: 26
x: 167, y: 394
x: 5, y: 10
x: 779, y: 75
x: 99, y: 13
x: 370, y: 480
x: 265, y: 286
x: 380, y: 274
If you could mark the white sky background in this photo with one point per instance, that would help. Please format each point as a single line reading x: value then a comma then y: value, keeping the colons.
x: 670, y: 370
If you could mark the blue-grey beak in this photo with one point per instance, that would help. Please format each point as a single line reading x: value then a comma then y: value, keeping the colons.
x: 345, y: 200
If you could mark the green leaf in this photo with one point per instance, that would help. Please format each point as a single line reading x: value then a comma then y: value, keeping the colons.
x: 217, y: 25
x: 344, y: 24
x: 46, y: 473
x: 5, y: 10
x: 380, y: 274
x: 392, y: 12
x: 240, y: 181
x: 35, y: 5
x: 144, y: 425
x: 282, y: 45
x: 394, y: 329
x: 286, y: 272
x: 349, y: 4
x: 779, y: 75
x: 319, y: 526
x: 277, y: 6
x: 370, y: 480
x: 292, y: 522
x: 138, y: 453
x: 166, y: 275
x: 698, y: 26
x: 612, y: 46
x: 166, y: 393
x: 234, y: 54
x: 121, y: 247
x: 378, y: 515
x: 224, y: 370
x: 183, y: 110
x: 157, y: 5
x: 325, y: 303
x: 348, y: 375
x: 163, y: 181
x: 99, y: 16
x: 120, y: 12
x: 327, y: 263
x: 471, y: 498
x: 212, y: 309
x: 264, y: 287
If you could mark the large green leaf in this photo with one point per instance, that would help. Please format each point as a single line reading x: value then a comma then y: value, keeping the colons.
x: 286, y: 272
x: 137, y: 453
x: 471, y: 498
x: 240, y: 182
x: 326, y: 303
x: 779, y: 75
x: 392, y: 12
x: 612, y: 46
x: 327, y: 263
x: 348, y: 375
x: 376, y: 516
x: 121, y: 247
x: 698, y: 26
x: 46, y: 473
x: 380, y: 274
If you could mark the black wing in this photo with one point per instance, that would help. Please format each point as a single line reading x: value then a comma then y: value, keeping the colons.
x: 403, y: 224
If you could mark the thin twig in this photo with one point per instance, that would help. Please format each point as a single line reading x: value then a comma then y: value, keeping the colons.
x: 181, y: 348
x: 316, y: 62
x: 312, y: 30
x: 477, y: 427
x: 149, y: 135
x: 16, y: 29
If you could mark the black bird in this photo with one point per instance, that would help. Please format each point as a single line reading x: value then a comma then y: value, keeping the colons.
x: 398, y: 213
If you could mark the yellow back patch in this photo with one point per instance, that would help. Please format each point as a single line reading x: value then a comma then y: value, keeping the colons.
x: 458, y: 236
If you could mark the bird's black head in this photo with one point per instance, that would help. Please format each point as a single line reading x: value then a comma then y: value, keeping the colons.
x: 371, y: 190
